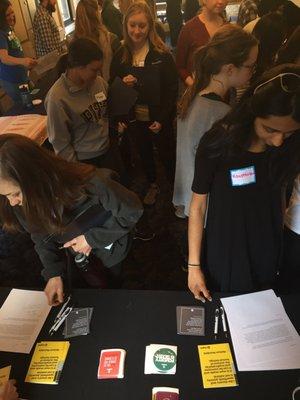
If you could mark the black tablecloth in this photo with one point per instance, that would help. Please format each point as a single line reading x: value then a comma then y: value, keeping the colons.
x: 132, y: 320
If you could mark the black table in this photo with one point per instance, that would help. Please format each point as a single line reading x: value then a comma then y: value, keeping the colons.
x: 132, y: 320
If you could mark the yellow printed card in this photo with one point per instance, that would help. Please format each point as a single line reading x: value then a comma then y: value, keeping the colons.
x: 47, y: 362
x: 217, y: 366
x: 4, y: 377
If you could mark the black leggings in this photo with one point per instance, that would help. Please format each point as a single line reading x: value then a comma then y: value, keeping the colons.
x: 145, y: 140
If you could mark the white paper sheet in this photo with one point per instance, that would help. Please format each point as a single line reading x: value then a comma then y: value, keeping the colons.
x: 262, y: 334
x: 21, y: 318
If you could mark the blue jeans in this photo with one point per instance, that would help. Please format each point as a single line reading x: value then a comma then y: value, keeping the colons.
x: 12, y: 90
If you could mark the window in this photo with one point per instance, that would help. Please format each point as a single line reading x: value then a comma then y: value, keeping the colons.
x: 66, y: 12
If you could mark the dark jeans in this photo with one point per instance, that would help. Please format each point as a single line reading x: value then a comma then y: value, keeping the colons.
x: 145, y: 139
x: 12, y: 90
x: 111, y: 160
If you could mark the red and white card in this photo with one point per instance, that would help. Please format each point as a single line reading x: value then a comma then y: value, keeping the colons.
x: 111, y: 364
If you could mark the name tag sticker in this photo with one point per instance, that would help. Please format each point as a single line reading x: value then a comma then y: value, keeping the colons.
x: 100, y: 97
x: 243, y: 176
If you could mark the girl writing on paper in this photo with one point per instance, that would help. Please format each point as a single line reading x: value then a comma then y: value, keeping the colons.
x: 227, y: 61
x: 42, y: 193
x: 144, y: 62
x: 242, y: 164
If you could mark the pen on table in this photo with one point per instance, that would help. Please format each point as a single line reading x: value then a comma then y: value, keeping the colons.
x: 59, y: 322
x: 223, y: 320
x: 62, y: 309
x: 216, y: 323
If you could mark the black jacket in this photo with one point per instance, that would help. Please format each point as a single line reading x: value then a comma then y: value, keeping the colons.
x: 125, y: 208
x: 112, y: 18
x: 165, y: 70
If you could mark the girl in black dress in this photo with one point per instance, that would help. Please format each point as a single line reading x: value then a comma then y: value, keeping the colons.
x: 243, y: 164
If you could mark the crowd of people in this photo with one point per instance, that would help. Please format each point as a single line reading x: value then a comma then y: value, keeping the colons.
x: 233, y: 160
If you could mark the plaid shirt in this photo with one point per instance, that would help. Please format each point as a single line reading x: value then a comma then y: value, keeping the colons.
x: 247, y: 12
x: 46, y: 34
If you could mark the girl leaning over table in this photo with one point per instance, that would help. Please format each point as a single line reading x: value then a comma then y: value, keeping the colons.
x: 242, y: 165
x: 13, y: 64
x: 42, y: 193
x: 143, y: 54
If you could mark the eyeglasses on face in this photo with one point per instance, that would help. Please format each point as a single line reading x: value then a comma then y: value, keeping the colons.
x: 289, y: 81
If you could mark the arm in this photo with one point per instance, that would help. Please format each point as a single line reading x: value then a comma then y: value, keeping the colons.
x: 54, y: 266
x: 183, y: 53
x: 169, y: 93
x: 59, y: 129
x: 196, y: 280
x: 126, y: 210
x: 26, y: 62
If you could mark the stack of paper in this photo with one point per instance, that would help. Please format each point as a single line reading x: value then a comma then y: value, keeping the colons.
x: 47, y: 362
x: 217, y: 367
x: 160, y: 359
x: 262, y: 334
x: 21, y: 318
x: 4, y: 377
x: 33, y: 126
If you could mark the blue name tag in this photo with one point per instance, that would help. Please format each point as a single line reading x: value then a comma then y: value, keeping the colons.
x: 243, y: 176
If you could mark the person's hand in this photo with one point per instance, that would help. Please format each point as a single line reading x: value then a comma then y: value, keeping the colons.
x: 54, y: 291
x: 121, y: 127
x: 130, y: 80
x: 9, y: 391
x: 80, y: 245
x: 197, y: 285
x: 155, y: 127
x: 28, y: 62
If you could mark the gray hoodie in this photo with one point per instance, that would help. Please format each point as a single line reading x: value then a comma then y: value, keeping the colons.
x: 77, y: 121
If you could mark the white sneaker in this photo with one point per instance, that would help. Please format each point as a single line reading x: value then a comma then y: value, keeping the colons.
x: 150, y: 198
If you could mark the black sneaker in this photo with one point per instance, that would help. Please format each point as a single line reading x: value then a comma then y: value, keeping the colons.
x: 144, y: 236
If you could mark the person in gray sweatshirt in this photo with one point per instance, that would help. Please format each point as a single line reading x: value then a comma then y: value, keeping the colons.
x: 76, y: 107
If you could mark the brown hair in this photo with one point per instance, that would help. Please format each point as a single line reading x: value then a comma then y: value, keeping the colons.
x: 88, y: 24
x: 138, y: 8
x: 48, y: 184
x: 229, y: 45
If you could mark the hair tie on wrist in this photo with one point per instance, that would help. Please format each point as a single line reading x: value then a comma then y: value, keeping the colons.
x: 193, y: 265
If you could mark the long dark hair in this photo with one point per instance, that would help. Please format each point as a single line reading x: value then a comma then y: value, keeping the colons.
x: 229, y: 45
x: 290, y: 51
x: 48, y: 184
x: 234, y: 133
x: 270, y: 31
x: 4, y: 4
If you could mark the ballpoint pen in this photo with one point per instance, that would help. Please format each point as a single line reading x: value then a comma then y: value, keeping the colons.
x: 223, y: 320
x: 217, y: 312
x: 62, y: 309
x: 61, y: 319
